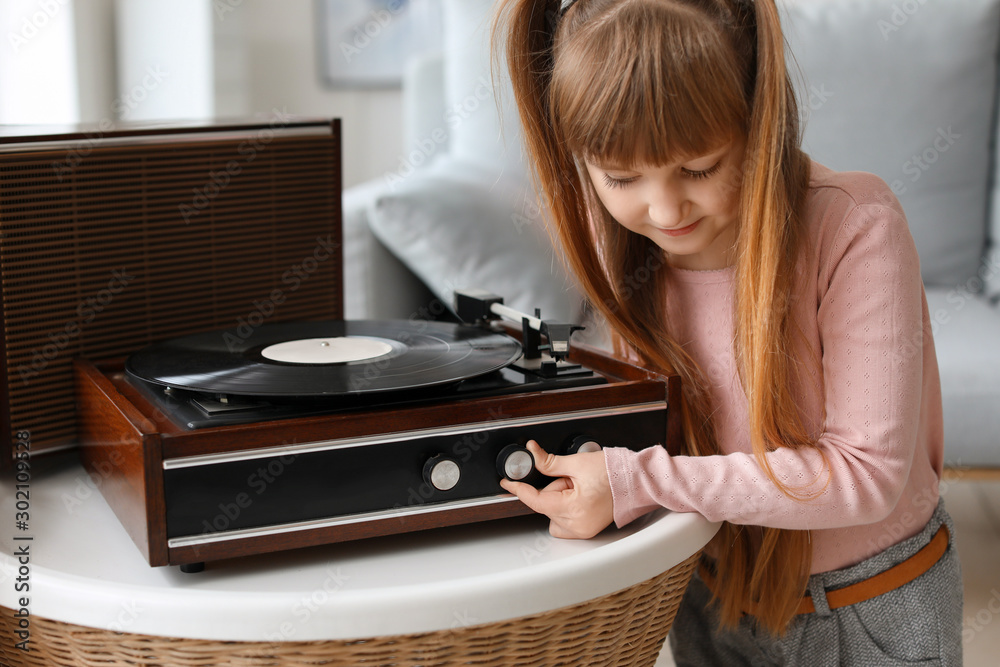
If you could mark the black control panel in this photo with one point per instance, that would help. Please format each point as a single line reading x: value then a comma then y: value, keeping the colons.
x: 418, y: 471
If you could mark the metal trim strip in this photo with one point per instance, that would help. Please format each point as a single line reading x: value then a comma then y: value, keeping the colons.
x: 382, y: 438
x: 265, y: 531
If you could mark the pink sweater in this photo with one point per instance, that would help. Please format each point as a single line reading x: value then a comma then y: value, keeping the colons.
x: 860, y: 304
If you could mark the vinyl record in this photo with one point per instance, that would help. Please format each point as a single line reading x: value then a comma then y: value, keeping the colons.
x: 324, y: 358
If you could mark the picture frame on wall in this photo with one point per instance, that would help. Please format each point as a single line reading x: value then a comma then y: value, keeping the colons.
x: 366, y: 43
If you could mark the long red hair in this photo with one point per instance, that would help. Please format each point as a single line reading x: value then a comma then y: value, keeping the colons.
x: 641, y: 82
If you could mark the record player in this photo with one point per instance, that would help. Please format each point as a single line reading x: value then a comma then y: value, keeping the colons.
x: 213, y: 434
x: 318, y: 432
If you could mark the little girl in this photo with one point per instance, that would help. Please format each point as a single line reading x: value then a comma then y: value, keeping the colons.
x: 790, y: 303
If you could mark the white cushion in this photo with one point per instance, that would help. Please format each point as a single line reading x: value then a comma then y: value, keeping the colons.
x: 966, y: 332
x: 905, y: 89
x: 376, y: 284
x: 462, y: 225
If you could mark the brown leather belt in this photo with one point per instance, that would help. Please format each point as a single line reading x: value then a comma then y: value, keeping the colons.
x: 883, y: 582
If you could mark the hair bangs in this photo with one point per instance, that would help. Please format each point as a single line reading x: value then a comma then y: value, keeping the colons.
x: 656, y: 84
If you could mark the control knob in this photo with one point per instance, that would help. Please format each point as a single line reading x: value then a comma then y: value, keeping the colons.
x: 582, y: 444
x: 515, y: 463
x: 442, y: 472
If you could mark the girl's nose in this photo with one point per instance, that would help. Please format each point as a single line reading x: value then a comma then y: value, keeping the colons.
x: 668, y: 207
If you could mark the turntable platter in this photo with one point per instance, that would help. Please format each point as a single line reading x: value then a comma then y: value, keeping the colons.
x: 324, y: 358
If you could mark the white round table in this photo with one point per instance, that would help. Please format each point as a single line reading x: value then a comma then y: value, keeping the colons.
x: 84, y: 570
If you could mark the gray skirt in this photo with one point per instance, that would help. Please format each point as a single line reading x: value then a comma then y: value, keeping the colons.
x: 919, y: 623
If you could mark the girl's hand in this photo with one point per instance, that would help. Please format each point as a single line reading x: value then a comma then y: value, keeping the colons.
x: 579, y: 502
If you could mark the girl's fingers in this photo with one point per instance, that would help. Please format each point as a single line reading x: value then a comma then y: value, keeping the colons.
x: 559, y: 484
x: 543, y: 502
x: 548, y: 464
x: 577, y: 502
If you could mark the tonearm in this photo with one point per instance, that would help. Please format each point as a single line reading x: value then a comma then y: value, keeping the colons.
x: 475, y: 306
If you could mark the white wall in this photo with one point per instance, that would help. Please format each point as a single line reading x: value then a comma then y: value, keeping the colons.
x: 265, y: 58
x: 283, y: 73
x: 166, y: 67
x: 37, y: 79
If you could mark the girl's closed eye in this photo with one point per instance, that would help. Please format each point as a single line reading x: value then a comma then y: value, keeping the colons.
x: 703, y: 173
x: 618, y: 182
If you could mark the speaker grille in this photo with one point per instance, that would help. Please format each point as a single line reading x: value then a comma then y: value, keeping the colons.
x: 109, y: 244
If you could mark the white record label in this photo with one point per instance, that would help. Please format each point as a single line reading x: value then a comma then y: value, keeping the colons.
x: 338, y: 350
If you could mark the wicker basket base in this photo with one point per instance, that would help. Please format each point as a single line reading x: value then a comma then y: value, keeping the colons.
x: 625, y: 628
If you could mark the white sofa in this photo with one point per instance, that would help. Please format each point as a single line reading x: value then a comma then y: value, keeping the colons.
x: 906, y: 89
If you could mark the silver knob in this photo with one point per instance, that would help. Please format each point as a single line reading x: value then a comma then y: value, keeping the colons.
x: 515, y: 462
x: 442, y: 473
x: 582, y: 444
